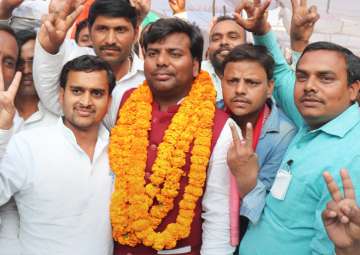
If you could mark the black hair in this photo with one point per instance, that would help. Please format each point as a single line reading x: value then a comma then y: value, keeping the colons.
x: 114, y: 9
x: 165, y: 27
x: 23, y: 36
x: 249, y: 52
x: 8, y: 29
x: 80, y: 26
x: 87, y: 63
x: 225, y: 18
x: 352, y: 61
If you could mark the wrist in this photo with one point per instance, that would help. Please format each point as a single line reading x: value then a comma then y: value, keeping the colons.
x: 245, y: 185
x: 348, y: 251
x: 299, y: 45
x: 263, y: 29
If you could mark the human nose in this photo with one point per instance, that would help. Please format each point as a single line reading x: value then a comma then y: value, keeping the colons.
x: 110, y: 37
x: 85, y: 99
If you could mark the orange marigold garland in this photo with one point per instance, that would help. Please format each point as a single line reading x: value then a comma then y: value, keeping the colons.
x: 134, y: 215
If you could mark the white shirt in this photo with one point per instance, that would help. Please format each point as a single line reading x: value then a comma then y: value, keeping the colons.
x: 47, y: 69
x: 9, y: 217
x: 215, y: 203
x: 62, y: 197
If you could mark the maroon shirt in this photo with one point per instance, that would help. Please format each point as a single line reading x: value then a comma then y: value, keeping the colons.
x: 159, y: 124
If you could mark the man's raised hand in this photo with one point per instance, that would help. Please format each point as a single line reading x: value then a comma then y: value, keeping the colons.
x: 256, y: 21
x: 55, y: 25
x: 302, y: 24
x: 342, y: 215
x: 7, y: 98
x: 242, y: 160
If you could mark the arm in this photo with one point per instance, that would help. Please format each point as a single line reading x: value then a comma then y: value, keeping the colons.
x: 253, y: 203
x: 7, y: 7
x: 13, y: 170
x: 52, y: 51
x: 216, y: 225
x: 284, y: 77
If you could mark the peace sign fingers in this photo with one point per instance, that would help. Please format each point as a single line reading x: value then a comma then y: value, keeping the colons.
x: 332, y: 187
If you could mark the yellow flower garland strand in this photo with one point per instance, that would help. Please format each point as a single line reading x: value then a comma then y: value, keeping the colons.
x: 137, y: 209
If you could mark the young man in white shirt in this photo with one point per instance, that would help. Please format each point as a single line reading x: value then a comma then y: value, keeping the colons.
x: 59, y: 176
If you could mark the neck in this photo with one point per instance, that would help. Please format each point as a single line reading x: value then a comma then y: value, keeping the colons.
x: 166, y: 101
x: 26, y: 105
x: 121, y: 69
x: 243, y: 120
x: 85, y: 138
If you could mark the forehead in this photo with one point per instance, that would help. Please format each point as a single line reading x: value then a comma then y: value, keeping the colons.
x: 27, y: 49
x: 112, y: 21
x: 245, y: 68
x: 226, y: 26
x: 8, y: 45
x: 88, y: 80
x: 322, y: 60
x: 172, y: 41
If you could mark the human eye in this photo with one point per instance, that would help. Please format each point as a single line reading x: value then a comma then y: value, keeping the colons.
x: 97, y: 93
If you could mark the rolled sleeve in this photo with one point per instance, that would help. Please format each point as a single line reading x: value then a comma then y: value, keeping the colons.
x: 253, y: 203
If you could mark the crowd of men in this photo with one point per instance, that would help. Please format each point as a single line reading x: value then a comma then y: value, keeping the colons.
x: 125, y: 141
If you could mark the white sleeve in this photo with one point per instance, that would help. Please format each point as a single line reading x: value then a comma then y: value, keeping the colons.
x: 47, y: 69
x: 216, y: 225
x: 5, y: 136
x: 13, y: 169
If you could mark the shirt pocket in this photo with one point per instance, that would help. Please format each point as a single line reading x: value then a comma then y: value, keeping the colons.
x: 290, y: 210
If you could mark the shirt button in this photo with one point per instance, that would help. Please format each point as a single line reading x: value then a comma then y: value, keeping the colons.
x: 153, y: 147
x: 155, y: 120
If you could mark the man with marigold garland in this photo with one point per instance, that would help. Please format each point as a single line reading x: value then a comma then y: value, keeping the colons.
x: 168, y: 152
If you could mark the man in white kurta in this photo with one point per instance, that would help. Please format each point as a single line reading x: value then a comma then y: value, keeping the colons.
x: 59, y: 175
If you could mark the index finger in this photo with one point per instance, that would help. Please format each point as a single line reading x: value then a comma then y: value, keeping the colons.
x: 249, y: 134
x: 294, y: 4
x: 14, y: 86
x: 303, y: 3
x: 332, y: 187
x: 235, y: 135
x: 349, y: 191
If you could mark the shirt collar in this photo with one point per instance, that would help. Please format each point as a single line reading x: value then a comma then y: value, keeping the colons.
x: 342, y: 123
x: 272, y: 124
x: 137, y: 66
x: 103, y: 134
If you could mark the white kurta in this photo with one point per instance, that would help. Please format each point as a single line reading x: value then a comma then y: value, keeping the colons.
x: 62, y: 197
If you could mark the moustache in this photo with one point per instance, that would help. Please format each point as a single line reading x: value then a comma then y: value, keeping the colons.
x: 27, y: 77
x: 310, y: 97
x: 110, y: 48
x: 241, y: 100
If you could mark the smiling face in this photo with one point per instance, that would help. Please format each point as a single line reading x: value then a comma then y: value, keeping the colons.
x: 322, y: 91
x: 112, y: 38
x: 85, y: 99
x: 169, y: 66
x: 245, y: 88
x: 224, y: 36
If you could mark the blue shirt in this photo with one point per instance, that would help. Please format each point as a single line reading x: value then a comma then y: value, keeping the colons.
x: 294, y: 225
x: 274, y: 139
